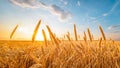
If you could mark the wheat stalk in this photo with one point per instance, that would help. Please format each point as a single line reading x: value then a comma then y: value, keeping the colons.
x: 99, y: 43
x: 68, y: 36
x: 44, y: 35
x: 34, y: 58
x: 102, y: 32
x: 42, y: 49
x: 13, y: 31
x: 75, y: 32
x: 51, y: 35
x: 85, y: 38
x: 35, y: 31
x: 90, y: 37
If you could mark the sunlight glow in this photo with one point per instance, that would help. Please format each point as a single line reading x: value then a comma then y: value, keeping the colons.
x: 24, y: 30
x: 39, y: 36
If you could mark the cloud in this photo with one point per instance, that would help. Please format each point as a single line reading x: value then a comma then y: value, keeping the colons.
x: 114, y: 31
x: 54, y: 9
x: 114, y: 27
x: 105, y: 14
x: 78, y: 3
x: 28, y: 3
x: 112, y: 9
x: 64, y: 2
x: 62, y: 14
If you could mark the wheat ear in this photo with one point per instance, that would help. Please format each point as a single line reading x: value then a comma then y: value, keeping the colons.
x: 51, y: 35
x: 45, y: 38
x: 102, y: 32
x: 36, y: 30
x: 13, y: 31
x: 75, y: 32
x: 90, y: 37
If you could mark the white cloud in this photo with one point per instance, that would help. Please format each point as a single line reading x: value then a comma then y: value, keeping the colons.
x: 113, y: 27
x: 105, y: 14
x: 28, y: 3
x: 78, y: 3
x: 62, y: 14
x: 114, y: 32
x: 64, y: 2
x: 112, y: 9
x: 54, y: 9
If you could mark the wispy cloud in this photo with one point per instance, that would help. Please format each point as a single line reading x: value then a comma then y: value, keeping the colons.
x: 112, y: 9
x: 114, y: 35
x: 54, y: 9
x: 78, y: 3
x: 114, y: 27
x: 101, y: 17
x: 28, y: 3
x: 64, y: 2
x: 114, y: 31
x: 62, y: 14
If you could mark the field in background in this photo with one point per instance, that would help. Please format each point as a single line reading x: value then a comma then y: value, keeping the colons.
x: 60, y: 53
x: 68, y: 54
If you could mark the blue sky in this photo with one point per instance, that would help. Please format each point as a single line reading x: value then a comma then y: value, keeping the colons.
x: 60, y: 15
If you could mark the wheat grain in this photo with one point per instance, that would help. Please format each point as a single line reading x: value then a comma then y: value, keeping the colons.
x: 51, y: 34
x: 34, y: 58
x: 99, y: 43
x: 68, y: 36
x: 13, y: 31
x: 102, y: 32
x: 85, y: 38
x: 75, y: 32
x: 89, y: 34
x: 35, y: 31
x: 44, y: 35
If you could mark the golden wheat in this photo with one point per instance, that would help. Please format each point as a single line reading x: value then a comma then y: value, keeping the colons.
x: 35, y: 31
x: 34, y: 58
x: 85, y: 38
x: 102, y: 32
x: 89, y: 34
x: 75, y: 32
x: 69, y: 54
x: 13, y: 31
x: 100, y: 41
x: 44, y: 35
x: 51, y: 35
x: 68, y: 36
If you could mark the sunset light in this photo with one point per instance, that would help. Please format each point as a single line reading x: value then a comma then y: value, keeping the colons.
x: 59, y: 33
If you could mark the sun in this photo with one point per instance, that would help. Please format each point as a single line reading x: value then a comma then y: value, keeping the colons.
x: 39, y: 36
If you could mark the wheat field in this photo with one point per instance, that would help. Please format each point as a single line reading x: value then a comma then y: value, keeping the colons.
x: 60, y: 53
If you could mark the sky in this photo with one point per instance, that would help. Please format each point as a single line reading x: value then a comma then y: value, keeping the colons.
x: 60, y: 15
